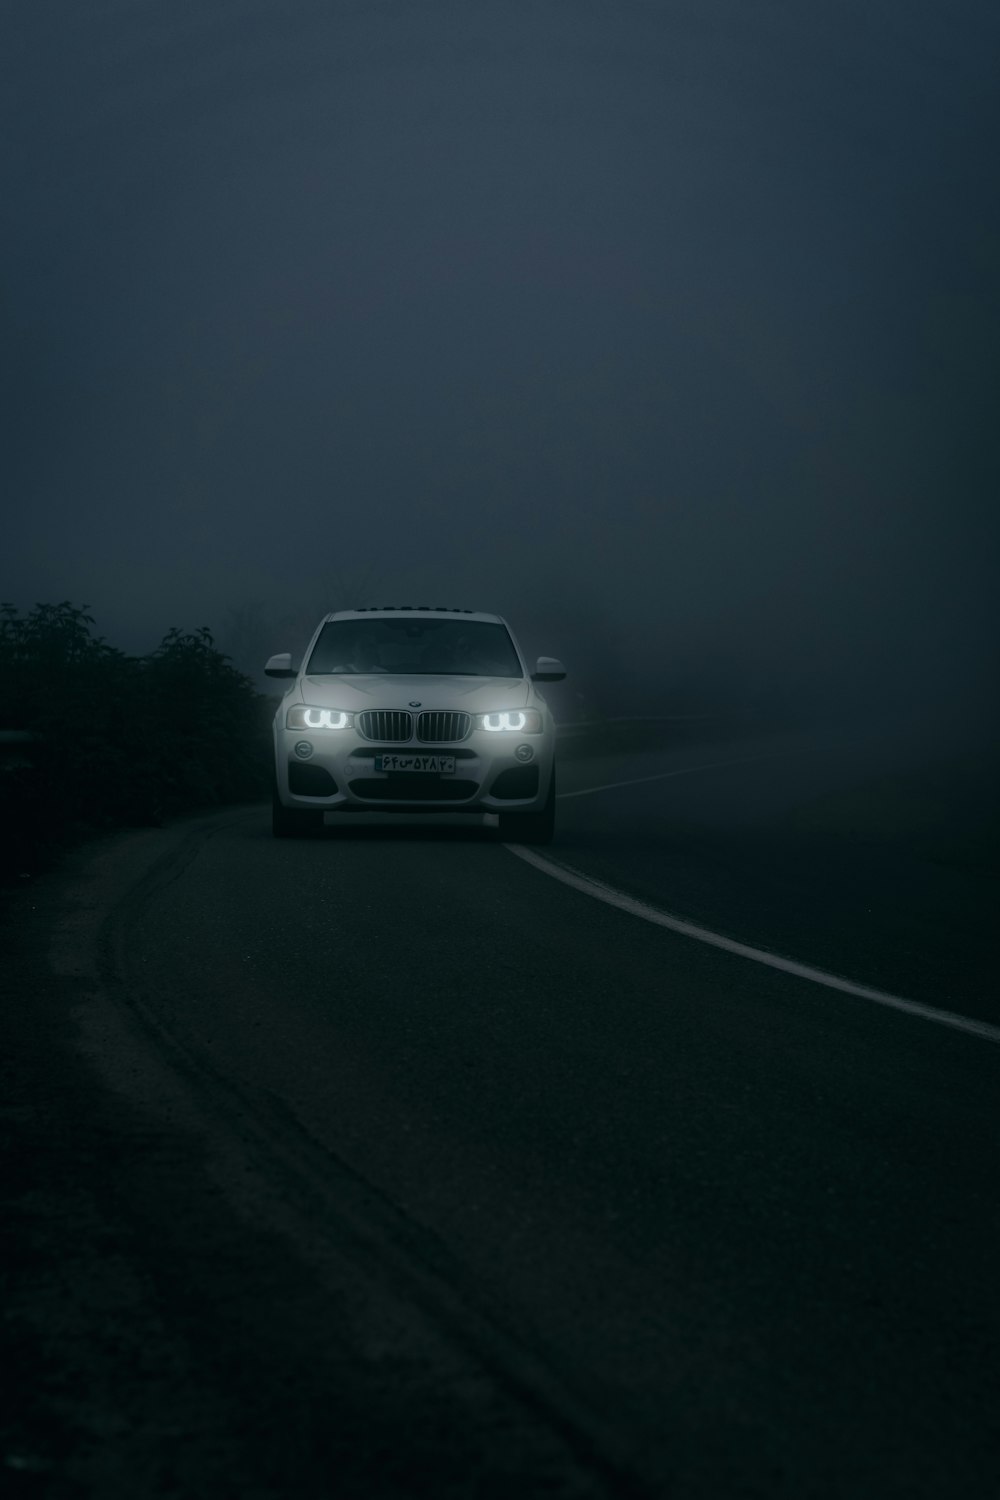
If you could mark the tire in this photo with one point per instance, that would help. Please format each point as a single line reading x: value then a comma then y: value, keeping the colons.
x: 293, y: 822
x: 531, y: 827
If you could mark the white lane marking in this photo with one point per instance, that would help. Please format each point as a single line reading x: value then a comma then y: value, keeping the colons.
x: 635, y: 908
x: 686, y: 771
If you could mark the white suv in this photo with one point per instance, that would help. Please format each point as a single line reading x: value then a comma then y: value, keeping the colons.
x: 413, y: 709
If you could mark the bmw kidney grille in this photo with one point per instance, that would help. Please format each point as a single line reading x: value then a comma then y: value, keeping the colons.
x: 385, y: 725
x: 443, y: 728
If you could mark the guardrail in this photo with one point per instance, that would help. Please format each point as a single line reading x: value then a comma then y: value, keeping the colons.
x: 627, y: 733
x: 583, y: 725
x: 15, y: 748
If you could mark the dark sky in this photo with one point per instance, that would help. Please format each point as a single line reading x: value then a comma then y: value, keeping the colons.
x: 667, y: 329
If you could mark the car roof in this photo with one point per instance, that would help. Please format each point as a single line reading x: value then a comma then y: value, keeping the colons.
x: 366, y: 611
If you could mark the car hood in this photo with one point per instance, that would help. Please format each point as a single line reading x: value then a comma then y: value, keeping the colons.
x: 383, y: 690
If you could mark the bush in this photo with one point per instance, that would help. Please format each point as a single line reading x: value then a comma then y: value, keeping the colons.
x: 120, y: 740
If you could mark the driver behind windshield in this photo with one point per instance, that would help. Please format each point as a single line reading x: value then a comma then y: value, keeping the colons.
x: 427, y: 648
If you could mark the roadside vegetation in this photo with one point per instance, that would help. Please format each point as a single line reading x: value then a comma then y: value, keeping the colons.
x: 105, y: 740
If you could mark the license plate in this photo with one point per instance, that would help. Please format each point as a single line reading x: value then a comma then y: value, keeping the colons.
x: 438, y: 763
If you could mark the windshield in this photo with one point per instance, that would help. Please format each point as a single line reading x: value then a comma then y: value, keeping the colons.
x: 466, y: 648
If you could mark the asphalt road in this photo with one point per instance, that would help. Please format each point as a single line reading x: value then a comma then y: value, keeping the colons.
x: 389, y: 1163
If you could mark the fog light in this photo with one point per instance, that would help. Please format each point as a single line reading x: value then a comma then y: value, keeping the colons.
x: 303, y: 749
x: 524, y: 752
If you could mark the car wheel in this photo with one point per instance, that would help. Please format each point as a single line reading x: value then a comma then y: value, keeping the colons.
x: 531, y: 827
x: 293, y: 822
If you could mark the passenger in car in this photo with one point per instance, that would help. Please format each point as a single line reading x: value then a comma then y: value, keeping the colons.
x: 364, y: 658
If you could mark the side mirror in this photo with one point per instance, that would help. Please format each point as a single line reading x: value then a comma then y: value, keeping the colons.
x: 280, y: 666
x: 548, y: 669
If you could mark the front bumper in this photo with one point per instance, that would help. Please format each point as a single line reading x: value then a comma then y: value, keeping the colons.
x: 339, y: 774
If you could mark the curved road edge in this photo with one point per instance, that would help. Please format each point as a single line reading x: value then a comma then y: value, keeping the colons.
x: 180, y: 1252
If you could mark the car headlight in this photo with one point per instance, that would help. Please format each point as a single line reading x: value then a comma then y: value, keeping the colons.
x: 514, y: 720
x: 303, y: 717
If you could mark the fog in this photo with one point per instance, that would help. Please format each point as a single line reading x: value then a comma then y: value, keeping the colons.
x: 667, y: 330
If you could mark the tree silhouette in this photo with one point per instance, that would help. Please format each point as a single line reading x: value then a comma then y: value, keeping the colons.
x: 118, y: 739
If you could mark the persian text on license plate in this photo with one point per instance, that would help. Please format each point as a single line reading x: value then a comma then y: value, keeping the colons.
x: 437, y: 763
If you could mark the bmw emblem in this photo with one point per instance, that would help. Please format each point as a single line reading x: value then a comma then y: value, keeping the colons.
x: 414, y: 703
